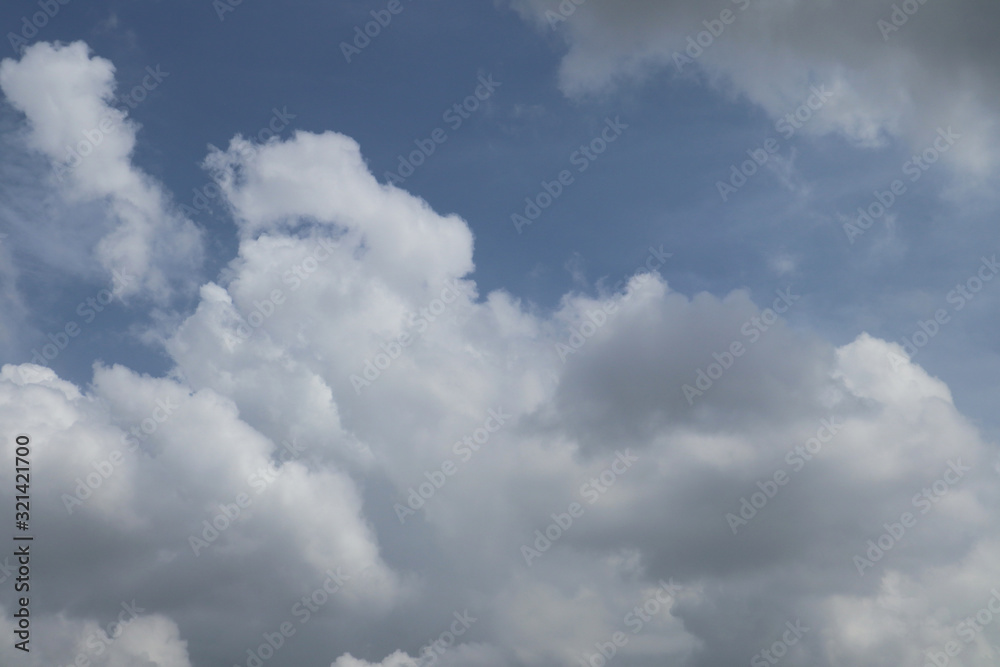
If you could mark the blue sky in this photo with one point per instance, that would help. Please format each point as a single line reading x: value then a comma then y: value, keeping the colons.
x: 912, y: 109
x: 656, y: 186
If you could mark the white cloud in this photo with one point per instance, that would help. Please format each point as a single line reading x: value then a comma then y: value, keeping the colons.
x: 397, y: 659
x: 66, y: 95
x: 330, y: 264
x: 145, y: 640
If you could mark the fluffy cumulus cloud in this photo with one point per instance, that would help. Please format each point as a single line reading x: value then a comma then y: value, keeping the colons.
x: 357, y: 459
x: 149, y: 639
x: 892, y: 69
x: 67, y: 96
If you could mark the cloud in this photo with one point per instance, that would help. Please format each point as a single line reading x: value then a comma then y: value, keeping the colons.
x: 899, y: 81
x: 66, y: 94
x: 397, y: 659
x: 597, y: 459
x: 144, y: 640
x: 474, y: 655
x: 322, y: 179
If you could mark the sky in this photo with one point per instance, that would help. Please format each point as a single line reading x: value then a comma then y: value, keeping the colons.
x: 523, y: 333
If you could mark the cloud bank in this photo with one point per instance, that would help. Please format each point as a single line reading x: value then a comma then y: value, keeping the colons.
x: 358, y: 459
